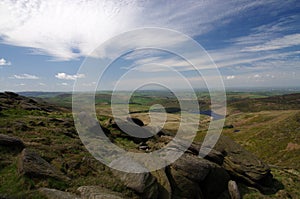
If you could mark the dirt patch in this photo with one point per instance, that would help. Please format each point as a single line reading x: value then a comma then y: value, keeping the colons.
x: 292, y: 146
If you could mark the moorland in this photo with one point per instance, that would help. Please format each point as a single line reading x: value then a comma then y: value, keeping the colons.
x: 42, y: 155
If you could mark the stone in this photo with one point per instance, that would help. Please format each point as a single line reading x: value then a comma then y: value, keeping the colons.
x: 233, y: 190
x: 32, y: 165
x: 183, y: 187
x: 140, y: 180
x: 243, y: 165
x: 136, y: 121
x: 198, y: 177
x: 192, y: 167
x: 97, y: 192
x: 55, y: 194
x: 29, y: 107
x: 11, y: 142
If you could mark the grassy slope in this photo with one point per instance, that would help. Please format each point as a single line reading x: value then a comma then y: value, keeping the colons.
x: 266, y: 126
x: 268, y: 134
x: 263, y: 127
x: 41, y: 131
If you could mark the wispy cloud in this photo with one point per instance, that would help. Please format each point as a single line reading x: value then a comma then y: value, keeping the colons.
x: 70, y: 29
x: 25, y: 76
x: 266, y: 32
x: 263, y: 48
x: 4, y: 62
x: 277, y: 43
x: 69, y: 77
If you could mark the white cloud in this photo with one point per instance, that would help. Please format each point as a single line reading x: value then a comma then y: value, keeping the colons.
x: 64, y: 84
x: 277, y: 43
x: 230, y: 77
x: 230, y: 57
x: 25, y: 76
x: 69, y: 77
x: 264, y: 33
x: 4, y: 62
x: 71, y: 28
x: 256, y: 76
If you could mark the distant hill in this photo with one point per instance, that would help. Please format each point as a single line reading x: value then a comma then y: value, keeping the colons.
x: 10, y: 100
x: 40, y: 94
x: 278, y: 102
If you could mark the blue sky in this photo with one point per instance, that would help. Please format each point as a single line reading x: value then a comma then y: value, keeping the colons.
x: 43, y: 43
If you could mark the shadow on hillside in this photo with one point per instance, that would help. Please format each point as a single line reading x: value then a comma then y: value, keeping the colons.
x: 245, y: 190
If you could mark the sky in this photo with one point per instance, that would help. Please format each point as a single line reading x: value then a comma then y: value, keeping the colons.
x: 43, y: 44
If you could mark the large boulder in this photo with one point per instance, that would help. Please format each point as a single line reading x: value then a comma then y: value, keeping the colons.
x: 192, y: 167
x: 11, y: 142
x: 238, y: 162
x: 144, y: 183
x: 195, y: 177
x: 97, y: 192
x: 243, y: 165
x: 32, y: 165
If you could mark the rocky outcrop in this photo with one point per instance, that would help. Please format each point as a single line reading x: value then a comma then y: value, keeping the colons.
x: 32, y: 165
x: 188, y: 177
x: 243, y: 165
x: 210, y: 177
x: 11, y: 142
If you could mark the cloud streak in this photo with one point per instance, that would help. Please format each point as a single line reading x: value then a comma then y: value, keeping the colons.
x: 277, y: 43
x: 25, y: 76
